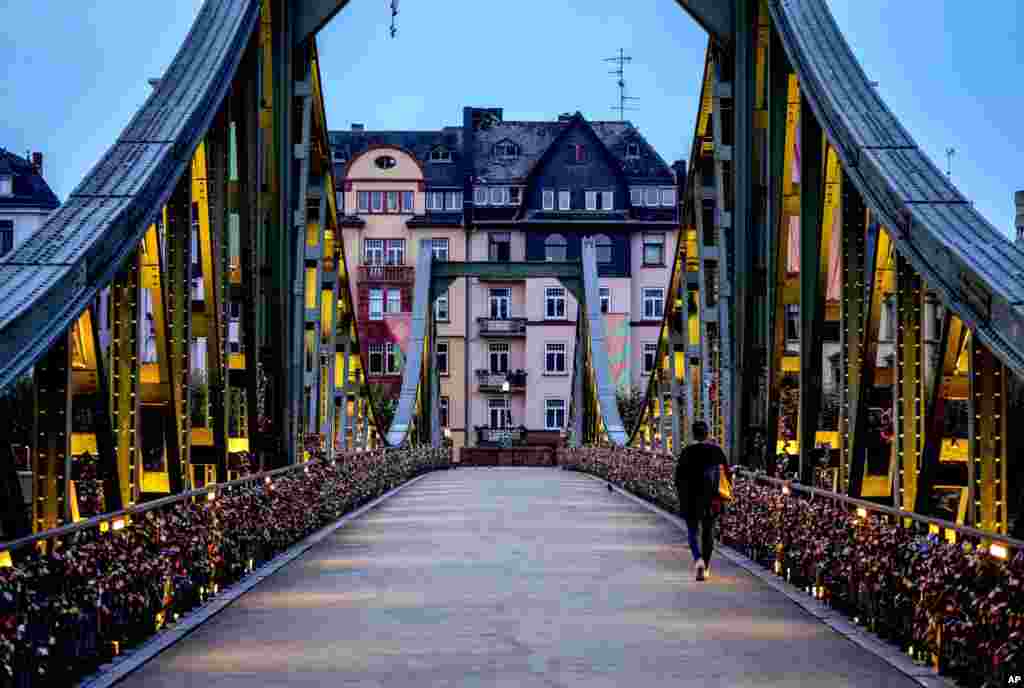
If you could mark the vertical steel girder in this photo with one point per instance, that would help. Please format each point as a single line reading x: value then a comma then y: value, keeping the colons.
x: 908, y: 390
x: 106, y: 440
x: 124, y: 372
x: 814, y: 243
x: 51, y: 438
x: 987, y: 464
x: 857, y: 284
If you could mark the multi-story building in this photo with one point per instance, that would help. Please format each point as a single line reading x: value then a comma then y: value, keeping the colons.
x: 536, y: 189
x: 25, y: 198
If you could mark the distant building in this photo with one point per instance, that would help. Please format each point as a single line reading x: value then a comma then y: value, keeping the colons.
x: 25, y: 198
x: 537, y: 188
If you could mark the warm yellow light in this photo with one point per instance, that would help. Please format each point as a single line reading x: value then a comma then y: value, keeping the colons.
x: 210, y: 496
x: 118, y: 524
x: 267, y: 480
x: 862, y: 512
x: 5, y: 560
x: 785, y: 489
x: 998, y: 551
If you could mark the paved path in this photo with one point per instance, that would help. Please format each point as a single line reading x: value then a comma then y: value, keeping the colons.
x: 511, y: 577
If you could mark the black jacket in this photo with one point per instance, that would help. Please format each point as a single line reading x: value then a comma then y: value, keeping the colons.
x: 694, y: 460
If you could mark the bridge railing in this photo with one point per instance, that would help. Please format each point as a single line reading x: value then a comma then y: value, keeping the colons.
x: 74, y: 597
x: 951, y: 596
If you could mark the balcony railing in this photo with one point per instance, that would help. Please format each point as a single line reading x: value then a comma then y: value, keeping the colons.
x: 493, y: 382
x: 500, y: 437
x: 386, y: 273
x: 502, y: 327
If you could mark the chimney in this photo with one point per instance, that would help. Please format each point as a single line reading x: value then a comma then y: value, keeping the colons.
x: 37, y: 165
x: 679, y: 167
x: 1018, y: 200
x: 358, y: 127
x: 565, y: 117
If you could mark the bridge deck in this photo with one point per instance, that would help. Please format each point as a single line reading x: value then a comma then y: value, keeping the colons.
x: 511, y: 577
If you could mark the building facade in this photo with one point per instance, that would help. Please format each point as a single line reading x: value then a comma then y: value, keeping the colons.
x: 507, y: 191
x: 26, y: 200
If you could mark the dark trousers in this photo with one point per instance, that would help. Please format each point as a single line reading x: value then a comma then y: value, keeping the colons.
x: 707, y: 541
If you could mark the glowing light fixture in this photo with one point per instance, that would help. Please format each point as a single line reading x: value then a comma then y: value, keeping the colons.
x: 862, y: 512
x: 785, y: 489
x: 210, y: 496
x: 998, y: 551
x: 5, y: 560
x: 118, y: 524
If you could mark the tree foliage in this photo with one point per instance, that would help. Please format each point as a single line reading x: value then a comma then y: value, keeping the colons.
x: 631, y: 404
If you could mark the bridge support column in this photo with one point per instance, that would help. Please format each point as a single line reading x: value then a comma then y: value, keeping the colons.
x: 343, y: 421
x: 51, y: 438
x: 181, y: 216
x: 124, y: 386
x: 908, y: 395
x: 987, y: 465
x: 106, y: 441
x: 578, y: 402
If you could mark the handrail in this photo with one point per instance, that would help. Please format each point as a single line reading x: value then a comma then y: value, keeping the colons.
x: 891, y: 511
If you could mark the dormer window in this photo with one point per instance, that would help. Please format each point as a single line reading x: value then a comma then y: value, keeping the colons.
x: 578, y: 152
x: 6, y: 185
x: 506, y: 150
x: 632, y: 150
x: 440, y: 154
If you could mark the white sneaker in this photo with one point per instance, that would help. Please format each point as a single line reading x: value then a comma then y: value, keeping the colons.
x: 700, y: 569
x: 707, y: 570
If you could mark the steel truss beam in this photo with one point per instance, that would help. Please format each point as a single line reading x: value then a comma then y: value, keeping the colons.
x: 987, y: 464
x: 51, y: 438
x: 908, y: 396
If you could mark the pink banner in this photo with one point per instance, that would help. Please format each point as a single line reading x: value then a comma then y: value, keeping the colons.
x: 399, y: 330
x: 833, y: 292
x: 618, y: 338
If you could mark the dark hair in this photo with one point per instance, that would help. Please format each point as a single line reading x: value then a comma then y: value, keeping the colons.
x: 700, y: 431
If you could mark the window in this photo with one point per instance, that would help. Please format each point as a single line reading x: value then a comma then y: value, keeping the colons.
x: 499, y: 357
x: 443, y: 412
x: 651, y: 197
x: 607, y: 200
x: 378, y: 201
x: 578, y: 152
x: 391, y: 359
x: 235, y: 310
x: 376, y: 361
x: 6, y: 236
x: 591, y: 200
x: 563, y: 200
x: 435, y: 200
x: 500, y: 302
x: 793, y: 321
x: 376, y: 304
x: 6, y: 185
x: 554, y: 303
x: 394, y: 304
x: 606, y: 299
x: 396, y: 252
x: 555, y: 248
x: 650, y: 354
x: 554, y: 358
x: 440, y: 154
x: 453, y: 200
x: 506, y: 150
x: 632, y: 150
x: 654, y: 248
x: 500, y: 412
x: 515, y: 195
x: 373, y: 251
x: 499, y: 248
x: 363, y: 202
x: 604, y: 249
x: 668, y: 197
x: 654, y: 303
x: 549, y: 199
x: 554, y: 414
x: 498, y: 195
x: 408, y: 202
x: 385, y: 162
x: 442, y: 358
x: 392, y: 201
x: 480, y: 196
x: 440, y: 249
x: 441, y: 308
x: 636, y: 196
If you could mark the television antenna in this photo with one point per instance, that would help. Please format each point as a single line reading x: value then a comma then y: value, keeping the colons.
x: 394, y: 13
x: 621, y: 61
x: 950, y: 152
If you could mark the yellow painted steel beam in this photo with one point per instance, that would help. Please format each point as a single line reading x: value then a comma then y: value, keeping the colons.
x: 987, y: 467
x: 909, y: 383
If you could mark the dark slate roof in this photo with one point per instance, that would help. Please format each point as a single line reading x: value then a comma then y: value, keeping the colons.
x: 419, y: 143
x: 30, y: 189
x: 534, y: 138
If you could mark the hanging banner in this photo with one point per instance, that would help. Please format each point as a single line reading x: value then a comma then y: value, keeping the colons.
x: 399, y: 326
x: 618, y: 338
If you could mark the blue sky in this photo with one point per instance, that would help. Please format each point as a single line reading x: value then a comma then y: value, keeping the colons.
x: 73, y: 78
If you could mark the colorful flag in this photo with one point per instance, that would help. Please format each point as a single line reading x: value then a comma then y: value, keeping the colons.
x: 618, y: 342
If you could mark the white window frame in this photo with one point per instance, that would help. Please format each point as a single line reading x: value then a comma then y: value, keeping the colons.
x: 636, y: 196
x: 564, y: 200
x: 495, y: 297
x: 360, y: 197
x: 554, y: 408
x: 606, y: 299
x: 408, y: 201
x: 442, y: 349
x: 498, y: 195
x: 389, y: 197
x: 435, y: 200
x: 668, y: 197
x: 592, y: 200
x: 502, y: 353
x: 376, y: 349
x: 376, y: 201
x: 554, y: 300
x: 441, y: 312
x: 453, y: 200
x: 632, y: 150
x: 651, y: 197
x: 499, y: 404
x: 373, y: 251
x: 376, y: 303
x: 649, y: 349
x: 439, y: 248
x: 655, y: 298
x: 6, y: 185
x: 548, y: 199
x: 652, y: 238
x: 391, y: 359
x: 610, y: 245
x: 515, y: 195
x: 479, y: 196
x: 394, y: 252
x: 607, y: 200
x: 552, y: 351
x: 393, y: 304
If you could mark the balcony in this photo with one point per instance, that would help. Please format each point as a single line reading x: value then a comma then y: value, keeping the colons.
x: 494, y: 382
x: 402, y: 274
x: 502, y: 327
x: 500, y: 437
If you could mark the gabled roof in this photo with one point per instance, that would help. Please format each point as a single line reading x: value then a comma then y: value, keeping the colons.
x: 29, y: 188
x: 418, y: 143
